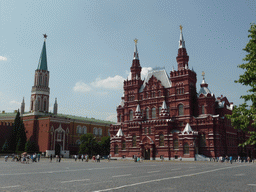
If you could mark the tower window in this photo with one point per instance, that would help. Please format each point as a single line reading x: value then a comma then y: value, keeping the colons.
x: 123, y: 145
x: 131, y: 115
x: 149, y: 130
x: 134, y: 140
x: 186, y: 148
x: 147, y: 113
x: 153, y: 113
x: 161, y: 140
x: 203, y: 109
x: 181, y: 110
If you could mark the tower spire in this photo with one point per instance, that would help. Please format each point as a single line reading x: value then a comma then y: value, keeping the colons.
x: 136, y: 68
x: 42, y: 64
x: 182, y: 58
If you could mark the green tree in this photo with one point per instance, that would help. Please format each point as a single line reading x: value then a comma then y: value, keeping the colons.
x: 244, y: 116
x: 13, y: 138
x: 88, y: 144
x: 21, y: 137
x: 31, y: 146
x: 5, y: 147
x: 104, y: 145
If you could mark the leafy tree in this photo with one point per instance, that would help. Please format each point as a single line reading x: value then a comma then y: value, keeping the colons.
x: 13, y: 137
x: 88, y: 144
x: 5, y: 147
x: 244, y: 116
x: 21, y: 137
x: 104, y: 145
x: 31, y: 146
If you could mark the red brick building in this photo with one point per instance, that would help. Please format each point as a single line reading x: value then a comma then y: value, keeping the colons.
x: 164, y: 116
x: 53, y: 133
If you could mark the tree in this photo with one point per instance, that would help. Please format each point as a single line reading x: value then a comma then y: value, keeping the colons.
x: 88, y: 144
x: 104, y: 145
x: 244, y: 116
x: 21, y: 137
x: 31, y: 146
x: 5, y: 147
x: 13, y: 138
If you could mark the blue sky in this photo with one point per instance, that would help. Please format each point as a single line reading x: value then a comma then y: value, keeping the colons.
x: 90, y: 47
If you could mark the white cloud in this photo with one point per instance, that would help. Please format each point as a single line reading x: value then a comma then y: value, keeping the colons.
x: 144, y: 72
x: 3, y: 58
x: 82, y: 87
x: 111, y: 118
x: 115, y: 82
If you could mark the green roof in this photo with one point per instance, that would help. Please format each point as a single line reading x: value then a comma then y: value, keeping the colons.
x: 42, y: 65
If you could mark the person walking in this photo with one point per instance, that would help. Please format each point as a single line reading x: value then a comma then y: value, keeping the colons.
x: 230, y: 159
x: 38, y: 157
x: 59, y: 158
x: 50, y: 158
x: 82, y: 157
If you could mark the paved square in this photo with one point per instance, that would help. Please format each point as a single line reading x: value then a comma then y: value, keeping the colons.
x: 69, y: 175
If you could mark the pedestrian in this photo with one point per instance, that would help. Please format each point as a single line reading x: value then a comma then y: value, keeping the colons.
x: 6, y: 158
x: 59, y: 158
x: 180, y: 158
x: 38, y: 157
x: 82, y: 157
x: 51, y: 158
x: 109, y: 157
x: 98, y: 158
x: 86, y: 158
x: 230, y: 159
x: 248, y: 159
x: 34, y: 157
x: 75, y: 157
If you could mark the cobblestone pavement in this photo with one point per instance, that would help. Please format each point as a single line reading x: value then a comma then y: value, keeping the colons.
x: 69, y: 175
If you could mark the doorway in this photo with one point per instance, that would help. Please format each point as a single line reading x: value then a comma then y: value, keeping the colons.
x: 147, y: 154
x: 57, y: 149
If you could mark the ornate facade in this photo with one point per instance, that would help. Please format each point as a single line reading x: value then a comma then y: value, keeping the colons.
x: 164, y: 116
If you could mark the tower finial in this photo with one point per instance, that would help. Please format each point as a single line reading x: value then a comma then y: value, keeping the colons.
x: 203, y: 74
x: 136, y: 54
x: 136, y: 41
x: 45, y: 36
x: 181, y: 28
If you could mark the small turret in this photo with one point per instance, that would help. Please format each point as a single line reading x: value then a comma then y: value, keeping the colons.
x: 22, y: 107
x: 55, y: 107
x: 138, y: 115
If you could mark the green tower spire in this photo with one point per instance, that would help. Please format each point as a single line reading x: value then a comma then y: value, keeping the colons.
x: 42, y: 65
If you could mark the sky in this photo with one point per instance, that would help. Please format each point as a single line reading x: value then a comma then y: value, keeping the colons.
x: 90, y: 48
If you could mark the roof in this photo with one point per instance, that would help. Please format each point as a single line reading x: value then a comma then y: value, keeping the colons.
x: 161, y: 75
x: 205, y: 91
x: 187, y: 129
x: 42, y: 64
x: 120, y: 133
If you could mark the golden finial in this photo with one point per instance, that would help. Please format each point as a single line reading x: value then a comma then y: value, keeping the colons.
x: 45, y: 36
x: 136, y: 41
x: 203, y: 74
x: 181, y: 28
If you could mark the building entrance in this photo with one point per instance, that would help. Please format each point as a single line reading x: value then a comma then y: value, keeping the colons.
x: 57, y: 149
x: 147, y: 154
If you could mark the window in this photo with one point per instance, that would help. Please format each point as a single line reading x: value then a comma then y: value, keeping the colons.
x: 186, y: 148
x: 116, y: 149
x: 145, y: 130
x: 181, y: 110
x: 44, y: 105
x: 134, y: 140
x: 160, y: 108
x: 153, y: 113
x: 131, y: 115
x: 120, y: 118
x: 95, y: 131
x: 161, y: 140
x: 149, y: 130
x: 147, y: 113
x: 100, y: 132
x: 175, y: 144
x: 84, y: 129
x: 202, y: 141
x: 59, y: 137
x: 178, y: 91
x: 123, y: 145
x: 38, y: 106
x: 78, y: 129
x: 203, y: 109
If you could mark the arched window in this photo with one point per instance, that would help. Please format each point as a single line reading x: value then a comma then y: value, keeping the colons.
x: 178, y: 91
x: 153, y: 113
x: 39, y: 104
x: 203, y: 109
x: 181, y: 110
x: 45, y: 81
x: 116, y: 149
x: 147, y: 113
x: 123, y: 145
x: 186, y: 148
x: 131, y: 115
x: 32, y: 103
x: 100, y: 132
x: 149, y: 130
x: 134, y: 140
x: 145, y: 130
x: 95, y: 131
x: 161, y: 140
x: 84, y: 129
x: 175, y: 144
x: 202, y: 140
x: 78, y: 129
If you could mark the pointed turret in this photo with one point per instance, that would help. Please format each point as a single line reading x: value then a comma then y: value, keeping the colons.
x: 138, y: 114
x: 22, y: 107
x: 55, y: 107
x: 136, y: 68
x: 182, y: 58
x: 40, y: 91
x: 42, y: 64
x: 120, y: 133
x: 164, y: 112
x: 204, y: 87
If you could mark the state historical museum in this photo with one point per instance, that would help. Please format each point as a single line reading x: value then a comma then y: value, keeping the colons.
x: 164, y: 116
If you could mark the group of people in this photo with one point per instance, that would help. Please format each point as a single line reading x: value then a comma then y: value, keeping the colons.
x: 81, y: 157
x: 24, y: 158
x: 230, y: 159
